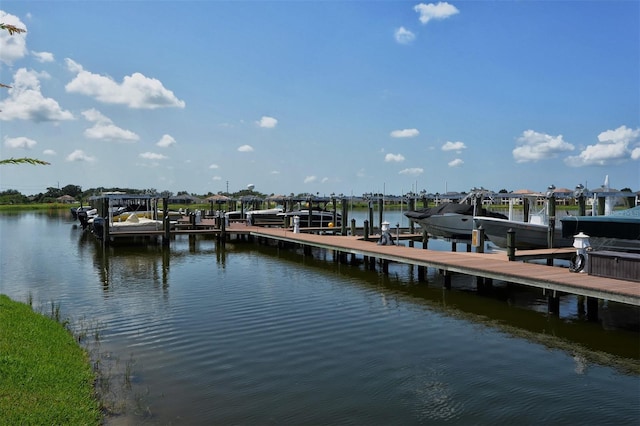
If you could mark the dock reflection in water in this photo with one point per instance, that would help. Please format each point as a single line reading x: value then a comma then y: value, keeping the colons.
x: 258, y: 335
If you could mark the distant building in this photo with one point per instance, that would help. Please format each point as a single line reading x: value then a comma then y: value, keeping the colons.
x: 66, y: 199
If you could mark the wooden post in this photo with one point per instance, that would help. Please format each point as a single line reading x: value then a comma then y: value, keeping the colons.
x: 447, y: 279
x: 422, y: 274
x: 370, y: 222
x: 353, y: 227
x: 380, y: 212
x: 525, y: 209
x: 385, y: 266
x: 166, y: 237
x: 454, y: 246
x: 480, y: 239
x: 425, y: 240
x: 366, y: 230
x: 105, y: 216
x: 592, y: 309
x: 553, y: 303
x: 344, y: 216
x: 223, y: 230
x: 335, y: 211
x: 511, y: 244
x: 582, y: 208
x: 551, y: 214
x: 412, y: 206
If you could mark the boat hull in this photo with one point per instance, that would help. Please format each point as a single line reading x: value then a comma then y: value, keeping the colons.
x: 449, y: 225
x: 527, y: 235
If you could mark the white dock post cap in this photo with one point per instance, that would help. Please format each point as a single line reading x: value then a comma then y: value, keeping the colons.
x: 581, y: 241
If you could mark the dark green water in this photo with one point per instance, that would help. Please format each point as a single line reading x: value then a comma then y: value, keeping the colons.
x: 249, y: 334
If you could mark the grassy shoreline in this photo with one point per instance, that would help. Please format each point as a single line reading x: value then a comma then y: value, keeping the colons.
x: 45, y: 375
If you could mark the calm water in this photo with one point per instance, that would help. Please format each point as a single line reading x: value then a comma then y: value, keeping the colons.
x: 254, y: 335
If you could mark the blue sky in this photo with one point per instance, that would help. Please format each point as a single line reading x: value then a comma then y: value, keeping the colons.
x: 321, y: 96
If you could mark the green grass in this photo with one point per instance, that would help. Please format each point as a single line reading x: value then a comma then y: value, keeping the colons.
x: 36, y: 206
x: 45, y: 376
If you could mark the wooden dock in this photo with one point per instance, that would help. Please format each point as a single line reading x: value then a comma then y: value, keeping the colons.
x: 494, y: 266
x: 553, y: 280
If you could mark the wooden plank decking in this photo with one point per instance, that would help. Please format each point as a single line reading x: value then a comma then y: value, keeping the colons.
x: 487, y: 265
x: 494, y: 266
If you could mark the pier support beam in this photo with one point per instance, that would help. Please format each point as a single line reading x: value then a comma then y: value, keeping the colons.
x: 592, y: 309
x: 447, y: 279
x: 422, y: 274
x: 553, y: 303
x: 385, y: 266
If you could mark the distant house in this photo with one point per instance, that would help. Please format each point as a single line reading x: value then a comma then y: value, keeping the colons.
x: 66, y: 199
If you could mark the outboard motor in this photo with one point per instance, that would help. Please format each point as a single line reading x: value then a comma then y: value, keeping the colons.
x: 98, y: 226
x: 83, y: 218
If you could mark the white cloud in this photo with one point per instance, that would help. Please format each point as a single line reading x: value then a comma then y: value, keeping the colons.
x: 214, y: 166
x: 19, y: 142
x: 166, y: 141
x: 49, y: 152
x: 453, y: 146
x: 441, y: 10
x: 310, y: 179
x: 79, y: 155
x: 135, y: 91
x: 613, y: 147
x: 26, y: 102
x: 404, y: 36
x: 245, y: 148
x: 405, y: 133
x: 274, y: 172
x: 398, y: 158
x: 456, y: 163
x: 216, y: 178
x: 414, y: 171
x: 534, y: 146
x: 104, y: 129
x: 153, y: 156
x: 43, y: 56
x: 267, y: 122
x: 14, y: 46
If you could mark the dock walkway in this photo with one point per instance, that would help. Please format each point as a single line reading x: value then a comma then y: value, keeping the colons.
x: 490, y: 266
x: 487, y: 265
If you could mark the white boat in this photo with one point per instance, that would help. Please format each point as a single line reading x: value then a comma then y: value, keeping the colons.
x: 265, y: 217
x: 448, y: 220
x: 532, y: 234
x: 134, y: 222
x: 317, y: 218
x: 528, y: 235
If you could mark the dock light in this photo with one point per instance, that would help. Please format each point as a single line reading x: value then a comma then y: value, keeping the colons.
x: 582, y: 246
x: 579, y: 191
